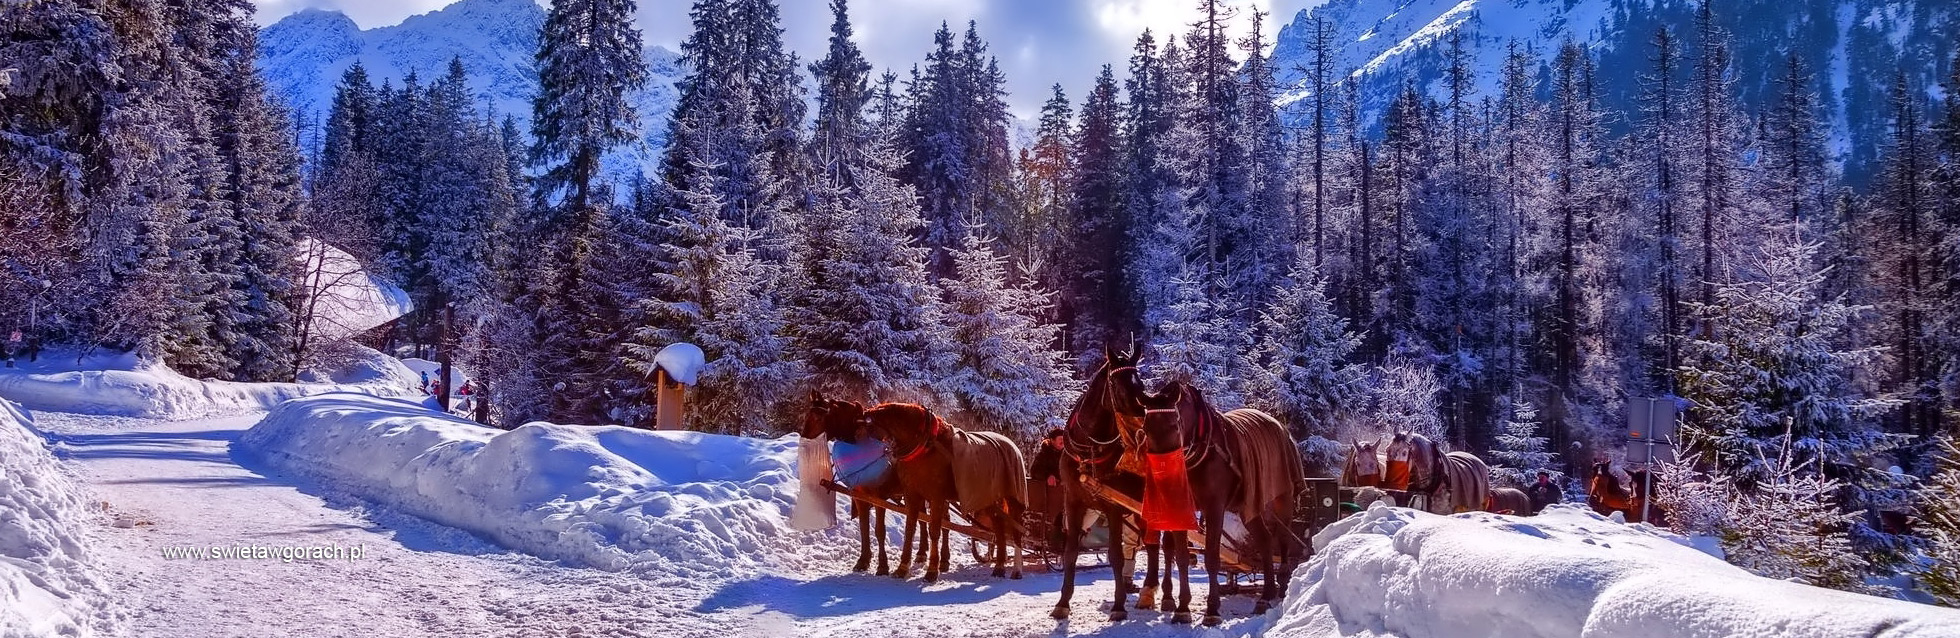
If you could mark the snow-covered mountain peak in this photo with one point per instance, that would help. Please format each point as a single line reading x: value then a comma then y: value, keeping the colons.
x: 304, y: 55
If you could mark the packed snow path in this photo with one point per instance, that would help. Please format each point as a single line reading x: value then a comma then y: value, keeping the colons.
x: 171, y: 485
x: 176, y: 484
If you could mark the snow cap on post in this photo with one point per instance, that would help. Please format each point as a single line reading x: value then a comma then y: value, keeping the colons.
x: 681, y: 361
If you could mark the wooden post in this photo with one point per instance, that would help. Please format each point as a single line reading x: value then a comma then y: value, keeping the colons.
x: 670, y: 402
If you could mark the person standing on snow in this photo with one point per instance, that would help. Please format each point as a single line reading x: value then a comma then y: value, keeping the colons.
x: 1544, y: 492
x: 1047, y: 473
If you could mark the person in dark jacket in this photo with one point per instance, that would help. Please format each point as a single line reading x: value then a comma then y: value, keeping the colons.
x: 1544, y: 492
x: 1047, y: 474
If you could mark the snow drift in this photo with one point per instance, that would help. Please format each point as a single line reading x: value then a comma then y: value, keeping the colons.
x: 120, y: 384
x: 677, y: 503
x: 48, y: 582
x: 1397, y: 572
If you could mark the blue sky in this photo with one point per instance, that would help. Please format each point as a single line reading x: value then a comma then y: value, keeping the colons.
x: 1039, y: 42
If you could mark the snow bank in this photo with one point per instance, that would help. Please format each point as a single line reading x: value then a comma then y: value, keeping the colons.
x: 682, y: 503
x: 120, y: 385
x: 48, y: 582
x: 1398, y: 572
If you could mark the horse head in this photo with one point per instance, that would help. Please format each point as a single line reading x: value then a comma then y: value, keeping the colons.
x: 842, y: 420
x: 1364, y: 466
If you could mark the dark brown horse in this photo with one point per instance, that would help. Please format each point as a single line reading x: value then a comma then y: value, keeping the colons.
x: 941, y: 466
x: 1363, y: 467
x: 1092, y: 444
x: 862, y: 466
x: 1243, y: 461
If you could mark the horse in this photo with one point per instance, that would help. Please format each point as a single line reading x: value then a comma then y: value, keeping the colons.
x: 941, y: 466
x: 1091, y: 445
x: 1420, y: 466
x: 1606, y: 495
x: 1363, y: 467
x: 863, y: 467
x: 1505, y: 500
x: 1242, y: 460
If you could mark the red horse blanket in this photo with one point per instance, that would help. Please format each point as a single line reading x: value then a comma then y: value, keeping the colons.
x: 1167, y: 502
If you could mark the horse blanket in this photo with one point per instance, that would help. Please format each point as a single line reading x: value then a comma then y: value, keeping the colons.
x: 1268, y: 463
x: 1467, y: 480
x: 816, y: 507
x: 1505, y: 500
x: 988, y: 470
x: 861, y: 465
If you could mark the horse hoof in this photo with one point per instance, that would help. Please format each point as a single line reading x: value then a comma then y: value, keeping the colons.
x: 902, y: 573
x: 1000, y: 573
x: 1118, y: 615
x: 860, y: 567
x: 1260, y: 607
x: 1060, y: 612
x: 932, y: 578
x: 884, y: 571
x: 1181, y: 618
x: 1168, y: 606
x: 1014, y: 576
x: 1212, y: 620
x: 1147, y: 598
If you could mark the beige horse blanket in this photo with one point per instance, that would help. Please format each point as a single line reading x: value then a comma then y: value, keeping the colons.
x: 987, y: 471
x: 1268, y: 463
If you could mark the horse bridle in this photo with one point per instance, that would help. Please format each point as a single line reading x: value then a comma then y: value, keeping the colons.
x: 924, y: 445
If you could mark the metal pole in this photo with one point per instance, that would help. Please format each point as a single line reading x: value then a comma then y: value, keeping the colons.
x: 1646, y: 501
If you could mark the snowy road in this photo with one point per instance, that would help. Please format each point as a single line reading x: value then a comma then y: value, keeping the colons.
x: 175, y: 484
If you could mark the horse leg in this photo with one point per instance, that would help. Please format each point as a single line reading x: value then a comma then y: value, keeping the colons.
x: 1119, y: 567
x: 905, y: 551
x: 1167, y: 545
x: 1214, y: 525
x: 936, y: 535
x: 1147, y: 597
x: 884, y: 569
x: 1182, y: 550
x: 1020, y: 538
x: 1000, y: 543
x: 945, y: 542
x: 1072, y: 515
x: 863, y: 518
x: 1268, y: 542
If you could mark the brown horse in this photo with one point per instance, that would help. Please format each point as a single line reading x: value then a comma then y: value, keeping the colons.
x: 942, y: 466
x: 1606, y: 495
x: 1446, y: 482
x: 863, y: 467
x: 1243, y: 461
x: 1505, y: 500
x: 1091, y: 445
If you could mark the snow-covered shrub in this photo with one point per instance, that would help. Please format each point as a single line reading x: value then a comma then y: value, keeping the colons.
x: 1404, y: 398
x: 1791, y: 527
x: 1696, y: 504
x: 1939, y: 524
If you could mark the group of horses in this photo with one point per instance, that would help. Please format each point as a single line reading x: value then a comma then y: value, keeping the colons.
x: 1123, y: 438
x: 1242, y: 462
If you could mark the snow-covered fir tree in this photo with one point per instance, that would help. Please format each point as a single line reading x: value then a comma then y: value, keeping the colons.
x: 1777, y: 359
x: 1299, y: 366
x: 1194, y: 344
x: 712, y: 291
x: 1521, y: 453
x: 864, y: 316
x: 1006, y: 374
